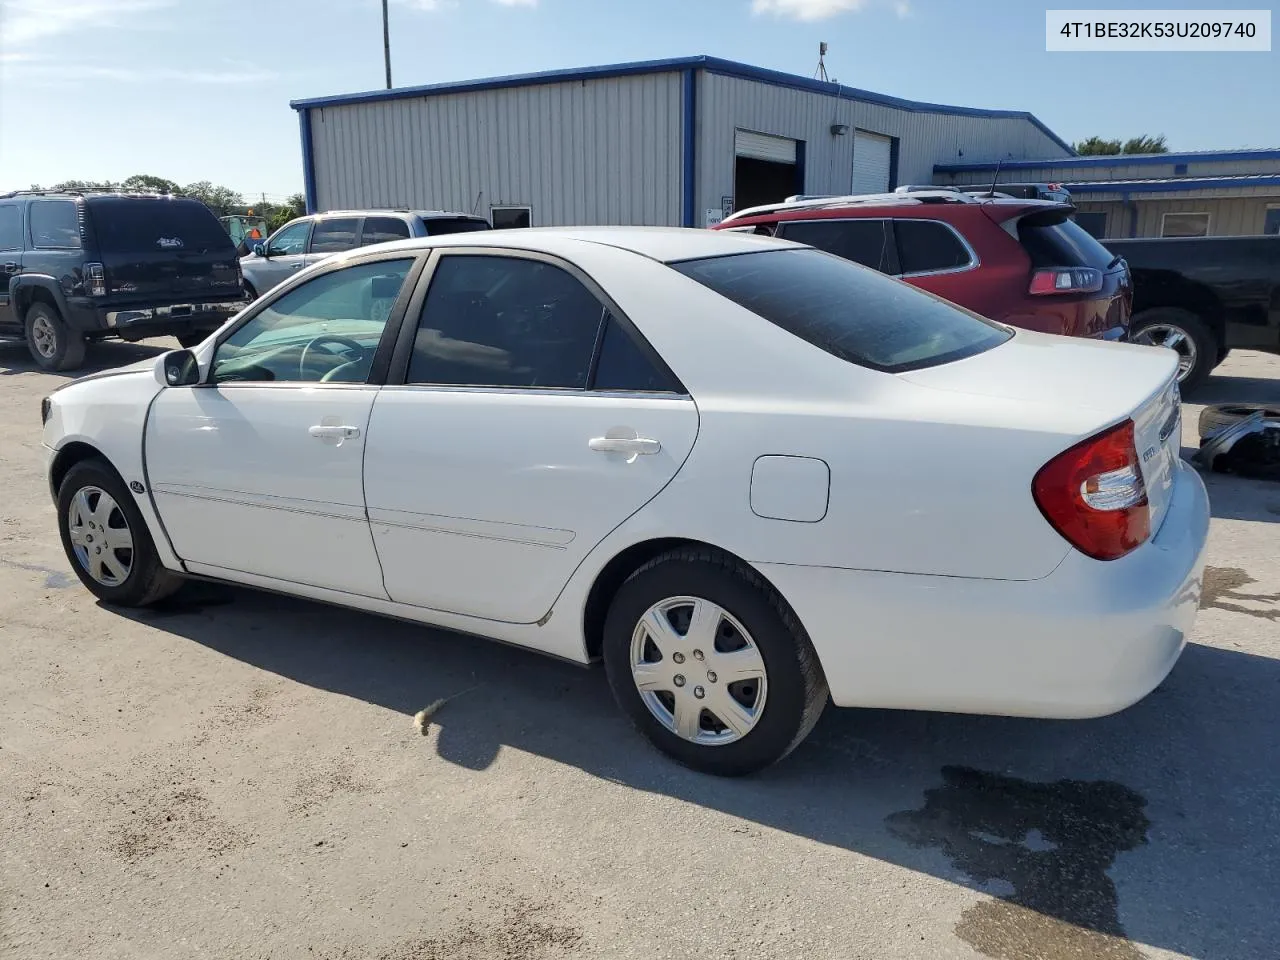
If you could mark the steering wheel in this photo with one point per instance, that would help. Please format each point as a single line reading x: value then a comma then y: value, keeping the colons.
x: 323, y: 339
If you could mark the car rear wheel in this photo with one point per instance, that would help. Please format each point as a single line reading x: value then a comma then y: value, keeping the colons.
x: 1184, y: 333
x: 107, y: 541
x: 53, y: 345
x: 710, y: 664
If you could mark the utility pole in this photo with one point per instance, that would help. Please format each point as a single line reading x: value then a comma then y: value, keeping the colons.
x: 386, y: 42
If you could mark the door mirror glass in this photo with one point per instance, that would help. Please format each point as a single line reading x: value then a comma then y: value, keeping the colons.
x: 178, y: 368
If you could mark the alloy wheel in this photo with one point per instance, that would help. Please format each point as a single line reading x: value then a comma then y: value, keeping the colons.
x: 1174, y: 338
x: 698, y: 670
x: 100, y: 536
x: 43, y: 336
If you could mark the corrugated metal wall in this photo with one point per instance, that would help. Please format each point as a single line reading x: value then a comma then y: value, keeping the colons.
x: 726, y: 103
x: 596, y: 151
x: 1228, y: 216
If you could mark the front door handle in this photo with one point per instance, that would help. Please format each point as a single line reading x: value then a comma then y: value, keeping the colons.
x: 326, y: 431
x: 633, y: 446
x: 12, y: 267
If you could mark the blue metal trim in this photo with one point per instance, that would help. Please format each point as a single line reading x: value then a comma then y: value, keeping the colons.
x: 1134, y: 159
x: 727, y: 68
x: 308, y: 160
x: 689, y: 149
x: 1170, y: 186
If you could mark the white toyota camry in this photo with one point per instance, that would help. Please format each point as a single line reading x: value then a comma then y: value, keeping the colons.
x: 747, y: 475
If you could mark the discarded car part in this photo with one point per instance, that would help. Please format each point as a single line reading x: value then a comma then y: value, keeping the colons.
x: 1218, y: 415
x: 1249, y: 447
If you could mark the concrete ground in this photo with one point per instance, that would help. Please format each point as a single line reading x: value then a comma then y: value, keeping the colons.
x: 237, y: 776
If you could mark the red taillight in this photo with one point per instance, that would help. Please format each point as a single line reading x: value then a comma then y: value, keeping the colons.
x: 1094, y: 496
x: 1060, y: 280
x: 97, y: 279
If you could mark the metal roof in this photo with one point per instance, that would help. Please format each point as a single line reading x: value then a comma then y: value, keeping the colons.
x: 1117, y: 160
x: 716, y: 65
x: 1172, y: 184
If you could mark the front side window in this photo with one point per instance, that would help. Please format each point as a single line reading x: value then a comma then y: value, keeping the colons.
x: 334, y: 236
x: 383, y: 230
x: 54, y: 223
x: 10, y: 228
x: 862, y: 241
x: 927, y: 246
x: 857, y: 315
x: 505, y: 322
x: 289, y: 240
x: 326, y: 330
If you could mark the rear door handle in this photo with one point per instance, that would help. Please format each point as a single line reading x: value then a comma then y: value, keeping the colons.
x: 325, y: 431
x: 633, y: 446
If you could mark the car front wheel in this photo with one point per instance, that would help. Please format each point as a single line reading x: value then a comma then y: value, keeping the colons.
x: 107, y: 541
x: 710, y: 663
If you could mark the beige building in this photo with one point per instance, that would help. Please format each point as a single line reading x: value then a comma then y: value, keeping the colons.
x: 1208, y: 193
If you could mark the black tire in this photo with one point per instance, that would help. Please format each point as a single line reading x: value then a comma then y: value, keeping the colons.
x: 1203, y: 343
x: 1221, y: 414
x: 189, y: 340
x: 53, y: 345
x: 147, y: 581
x: 796, y: 688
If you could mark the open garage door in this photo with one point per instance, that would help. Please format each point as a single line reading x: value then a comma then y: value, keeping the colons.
x: 766, y: 169
x: 872, y: 162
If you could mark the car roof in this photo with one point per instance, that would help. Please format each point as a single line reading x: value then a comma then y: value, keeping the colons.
x: 384, y: 212
x: 664, y: 244
x: 900, y: 204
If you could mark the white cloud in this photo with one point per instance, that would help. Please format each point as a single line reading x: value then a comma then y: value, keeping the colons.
x: 23, y: 22
x: 517, y: 3
x: 431, y: 6
x: 49, y: 74
x: 812, y: 10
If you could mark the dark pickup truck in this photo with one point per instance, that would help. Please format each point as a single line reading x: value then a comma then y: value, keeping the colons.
x: 75, y: 268
x: 1202, y: 296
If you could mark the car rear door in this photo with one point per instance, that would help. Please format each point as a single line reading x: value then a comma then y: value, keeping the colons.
x: 523, y: 420
x: 332, y: 235
x: 863, y: 240
x: 933, y: 256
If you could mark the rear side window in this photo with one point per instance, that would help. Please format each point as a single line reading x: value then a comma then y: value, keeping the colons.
x: 851, y: 313
x: 927, y: 246
x: 10, y: 227
x: 1054, y: 240
x: 54, y: 223
x: 623, y: 365
x: 383, y: 230
x: 439, y: 226
x: 333, y: 236
x: 140, y: 225
x: 862, y: 241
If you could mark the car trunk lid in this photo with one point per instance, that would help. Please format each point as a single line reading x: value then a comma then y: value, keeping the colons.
x: 163, y: 250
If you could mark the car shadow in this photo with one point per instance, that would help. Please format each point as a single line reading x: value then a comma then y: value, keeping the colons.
x: 105, y: 355
x: 1034, y: 813
x: 1224, y: 388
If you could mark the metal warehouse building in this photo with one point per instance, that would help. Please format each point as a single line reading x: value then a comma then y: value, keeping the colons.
x: 664, y: 142
x: 1206, y: 193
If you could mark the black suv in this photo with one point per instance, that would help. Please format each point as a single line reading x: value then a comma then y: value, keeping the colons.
x: 86, y: 267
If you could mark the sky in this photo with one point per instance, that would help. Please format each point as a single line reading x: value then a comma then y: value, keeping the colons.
x: 200, y: 89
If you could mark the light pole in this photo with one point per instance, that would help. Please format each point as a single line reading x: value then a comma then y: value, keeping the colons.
x: 386, y: 42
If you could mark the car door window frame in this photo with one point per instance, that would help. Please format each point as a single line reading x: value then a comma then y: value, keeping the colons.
x: 974, y: 260
x: 891, y: 266
x: 386, y: 343
x: 402, y: 354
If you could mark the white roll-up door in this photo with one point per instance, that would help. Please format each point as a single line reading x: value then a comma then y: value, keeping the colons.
x: 762, y: 146
x: 872, y: 159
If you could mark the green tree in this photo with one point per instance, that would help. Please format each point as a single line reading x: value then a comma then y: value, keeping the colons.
x: 86, y: 186
x: 221, y: 200
x: 1098, y: 147
x: 146, y: 183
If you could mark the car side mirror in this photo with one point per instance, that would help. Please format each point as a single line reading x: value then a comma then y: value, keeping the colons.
x: 261, y: 250
x: 177, y: 368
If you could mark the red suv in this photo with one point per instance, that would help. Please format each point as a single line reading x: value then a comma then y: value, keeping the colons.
x: 1021, y: 262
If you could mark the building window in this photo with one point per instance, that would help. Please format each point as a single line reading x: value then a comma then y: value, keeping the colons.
x: 1271, y: 224
x: 1093, y: 223
x: 506, y: 217
x: 1184, y: 225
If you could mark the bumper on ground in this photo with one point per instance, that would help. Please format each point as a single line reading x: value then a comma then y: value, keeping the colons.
x: 1090, y: 639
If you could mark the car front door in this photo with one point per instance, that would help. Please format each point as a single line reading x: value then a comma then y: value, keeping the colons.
x: 286, y: 255
x: 524, y: 419
x: 10, y: 260
x: 257, y: 470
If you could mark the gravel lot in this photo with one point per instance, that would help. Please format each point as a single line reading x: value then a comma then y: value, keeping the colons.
x: 237, y: 776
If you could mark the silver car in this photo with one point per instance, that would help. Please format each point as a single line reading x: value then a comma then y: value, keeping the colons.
x: 302, y: 242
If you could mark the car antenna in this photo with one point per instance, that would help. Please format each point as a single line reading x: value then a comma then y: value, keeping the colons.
x: 999, y: 164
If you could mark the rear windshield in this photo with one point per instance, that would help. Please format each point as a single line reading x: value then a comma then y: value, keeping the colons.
x: 136, y: 225
x: 1053, y: 240
x: 443, y: 225
x: 847, y: 310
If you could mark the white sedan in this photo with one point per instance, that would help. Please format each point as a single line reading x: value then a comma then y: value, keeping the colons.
x: 747, y: 475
